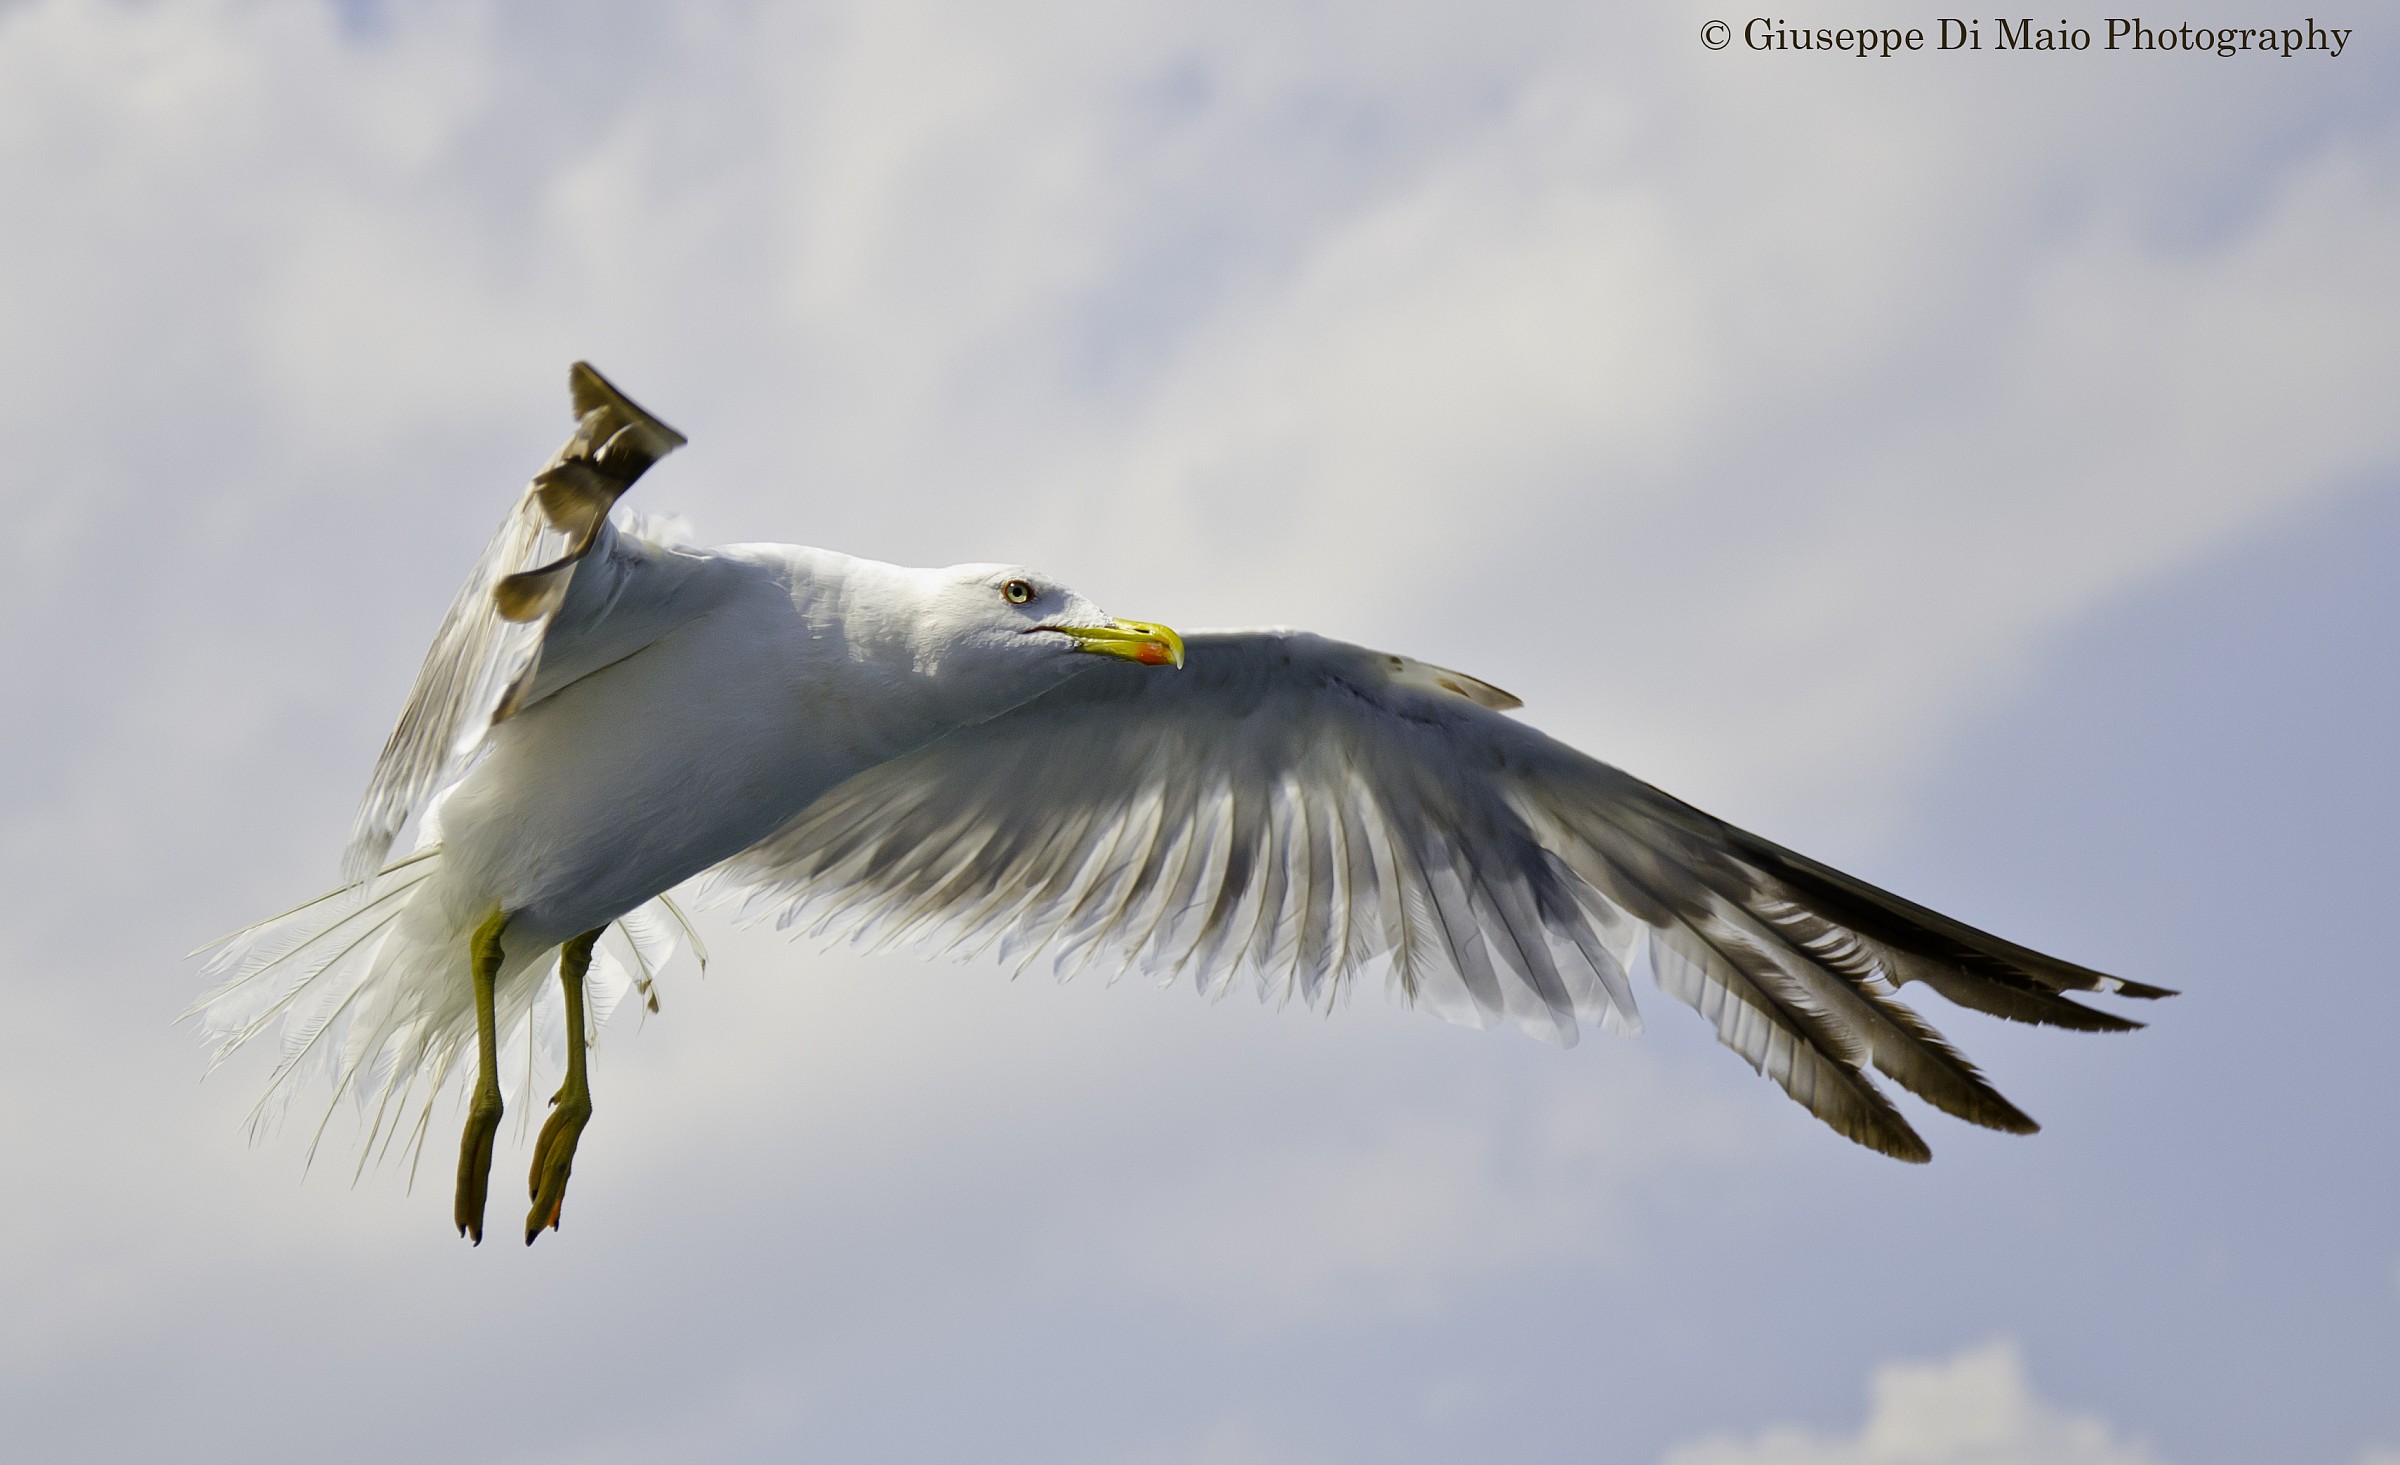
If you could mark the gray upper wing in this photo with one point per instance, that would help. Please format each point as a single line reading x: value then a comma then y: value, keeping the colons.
x: 1301, y: 809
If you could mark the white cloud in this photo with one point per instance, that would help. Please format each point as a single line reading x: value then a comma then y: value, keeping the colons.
x: 1974, y: 1409
x: 1462, y: 313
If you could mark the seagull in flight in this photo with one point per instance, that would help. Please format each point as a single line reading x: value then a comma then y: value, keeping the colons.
x: 980, y: 757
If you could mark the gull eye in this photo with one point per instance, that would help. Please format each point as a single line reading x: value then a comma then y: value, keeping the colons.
x: 1016, y: 592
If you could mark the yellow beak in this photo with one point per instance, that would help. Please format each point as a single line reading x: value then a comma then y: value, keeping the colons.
x: 1133, y: 640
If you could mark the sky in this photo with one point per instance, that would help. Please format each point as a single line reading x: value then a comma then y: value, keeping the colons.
x: 1976, y: 469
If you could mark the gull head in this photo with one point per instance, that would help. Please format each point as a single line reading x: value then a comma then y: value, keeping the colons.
x: 1015, y: 632
x: 1013, y: 611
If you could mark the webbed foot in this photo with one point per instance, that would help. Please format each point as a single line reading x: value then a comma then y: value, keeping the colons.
x: 554, y: 1158
x: 475, y: 1162
x: 571, y: 1106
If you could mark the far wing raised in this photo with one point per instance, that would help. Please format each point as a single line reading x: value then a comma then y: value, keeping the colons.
x: 484, y: 660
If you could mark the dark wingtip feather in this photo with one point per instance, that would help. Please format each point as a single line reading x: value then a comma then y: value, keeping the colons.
x: 1870, y: 1120
x: 2004, y: 1117
x: 1989, y: 961
x: 1905, y: 1146
x: 1975, y: 1101
x: 2018, y: 1001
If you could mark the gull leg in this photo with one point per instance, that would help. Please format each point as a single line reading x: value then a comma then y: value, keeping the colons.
x: 483, y: 1112
x: 570, y: 1107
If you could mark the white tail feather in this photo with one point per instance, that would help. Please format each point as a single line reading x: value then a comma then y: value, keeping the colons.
x: 368, y: 985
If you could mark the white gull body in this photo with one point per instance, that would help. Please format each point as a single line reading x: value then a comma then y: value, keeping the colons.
x: 796, y: 669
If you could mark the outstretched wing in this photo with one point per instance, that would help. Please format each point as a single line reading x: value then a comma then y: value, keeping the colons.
x: 487, y: 656
x: 1302, y: 809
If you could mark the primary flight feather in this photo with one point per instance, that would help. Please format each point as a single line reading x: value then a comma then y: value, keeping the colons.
x: 980, y: 757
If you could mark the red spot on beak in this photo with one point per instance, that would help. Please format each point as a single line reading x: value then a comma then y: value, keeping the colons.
x: 1152, y: 654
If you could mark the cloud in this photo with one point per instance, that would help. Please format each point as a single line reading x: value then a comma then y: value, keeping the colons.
x: 1974, y: 1409
x: 1461, y: 312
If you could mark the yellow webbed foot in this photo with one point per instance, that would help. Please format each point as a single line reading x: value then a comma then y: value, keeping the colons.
x: 475, y: 1162
x: 554, y: 1158
x: 571, y: 1106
